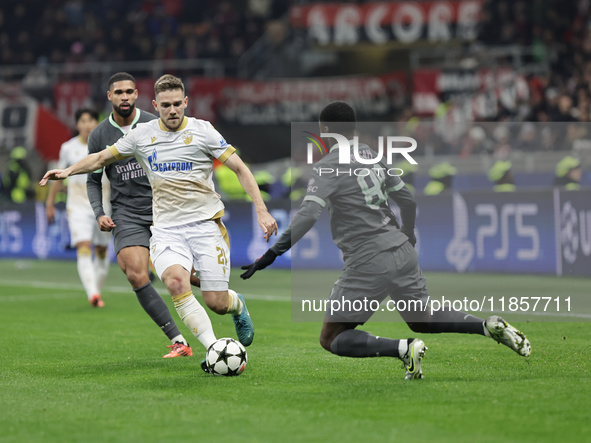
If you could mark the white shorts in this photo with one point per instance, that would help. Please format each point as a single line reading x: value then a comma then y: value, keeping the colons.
x: 201, y: 245
x: 84, y: 227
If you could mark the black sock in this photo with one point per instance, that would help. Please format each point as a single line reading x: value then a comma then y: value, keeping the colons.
x: 450, y: 321
x: 157, y: 310
x: 357, y: 343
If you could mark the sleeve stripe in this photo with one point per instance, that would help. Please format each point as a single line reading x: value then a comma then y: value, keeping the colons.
x: 227, y: 153
x: 313, y: 198
x: 115, y: 153
x: 398, y: 187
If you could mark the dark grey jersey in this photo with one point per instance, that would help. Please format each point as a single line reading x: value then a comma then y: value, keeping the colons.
x: 131, y: 194
x: 356, y: 196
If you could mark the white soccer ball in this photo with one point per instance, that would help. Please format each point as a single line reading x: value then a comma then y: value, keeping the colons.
x: 226, y: 356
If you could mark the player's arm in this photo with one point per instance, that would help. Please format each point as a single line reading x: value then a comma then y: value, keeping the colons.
x: 94, y: 188
x: 249, y: 184
x: 54, y: 188
x: 88, y: 164
x: 408, y: 208
x: 302, y: 222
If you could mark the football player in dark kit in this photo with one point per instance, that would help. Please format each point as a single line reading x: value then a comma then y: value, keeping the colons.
x: 379, y: 255
x: 131, y: 199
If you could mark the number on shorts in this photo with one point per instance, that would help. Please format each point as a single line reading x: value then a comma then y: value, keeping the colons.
x: 222, y: 260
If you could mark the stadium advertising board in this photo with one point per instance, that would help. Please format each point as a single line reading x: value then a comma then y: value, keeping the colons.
x: 486, y: 232
x: 541, y: 232
x: 343, y: 24
x: 573, y: 231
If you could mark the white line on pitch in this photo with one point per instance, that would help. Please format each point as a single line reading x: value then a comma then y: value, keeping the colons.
x: 117, y: 289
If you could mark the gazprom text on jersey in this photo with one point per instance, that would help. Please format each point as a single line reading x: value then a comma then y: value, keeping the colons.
x: 171, y: 166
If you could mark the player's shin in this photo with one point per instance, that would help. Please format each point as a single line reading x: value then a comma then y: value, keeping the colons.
x: 101, y: 265
x: 234, y: 303
x: 87, y: 272
x: 359, y: 344
x: 155, y: 307
x: 195, y: 317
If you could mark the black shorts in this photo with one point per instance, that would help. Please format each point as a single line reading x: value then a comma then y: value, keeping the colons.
x: 358, y: 292
x: 127, y: 234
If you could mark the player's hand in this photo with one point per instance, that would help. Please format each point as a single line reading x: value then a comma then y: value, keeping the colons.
x: 268, y: 224
x: 50, y: 213
x: 54, y: 174
x: 106, y: 223
x: 265, y: 260
x: 411, y: 236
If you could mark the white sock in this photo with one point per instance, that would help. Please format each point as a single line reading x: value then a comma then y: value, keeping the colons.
x: 86, y: 272
x: 180, y: 339
x: 234, y: 303
x: 195, y: 317
x: 101, y: 266
x: 402, y: 347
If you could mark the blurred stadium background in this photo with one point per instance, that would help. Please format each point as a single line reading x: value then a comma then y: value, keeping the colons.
x: 476, y: 82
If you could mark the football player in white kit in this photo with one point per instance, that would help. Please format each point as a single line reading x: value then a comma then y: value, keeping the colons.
x: 177, y: 153
x: 84, y: 231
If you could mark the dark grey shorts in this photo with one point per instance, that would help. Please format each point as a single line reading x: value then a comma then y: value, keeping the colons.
x: 131, y: 234
x: 394, y: 273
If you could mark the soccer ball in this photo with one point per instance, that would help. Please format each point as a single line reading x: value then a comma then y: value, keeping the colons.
x: 226, y: 356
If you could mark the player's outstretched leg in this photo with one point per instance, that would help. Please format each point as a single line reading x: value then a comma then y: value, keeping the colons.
x: 341, y: 339
x: 502, y: 332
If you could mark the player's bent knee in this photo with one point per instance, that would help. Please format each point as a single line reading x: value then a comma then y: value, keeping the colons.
x: 217, y: 301
x: 174, y: 285
x: 136, y: 277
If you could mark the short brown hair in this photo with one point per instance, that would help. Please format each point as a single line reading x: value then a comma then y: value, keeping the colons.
x: 119, y: 77
x: 168, y: 83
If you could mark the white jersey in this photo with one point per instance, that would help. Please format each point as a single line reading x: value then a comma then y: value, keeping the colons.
x: 71, y: 152
x: 179, y: 166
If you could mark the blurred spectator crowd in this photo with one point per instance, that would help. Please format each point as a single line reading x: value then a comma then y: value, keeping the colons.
x: 563, y: 28
x: 60, y: 31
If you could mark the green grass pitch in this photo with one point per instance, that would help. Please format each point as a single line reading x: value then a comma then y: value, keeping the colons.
x: 70, y: 373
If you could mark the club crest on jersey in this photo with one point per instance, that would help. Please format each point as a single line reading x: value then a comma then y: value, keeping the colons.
x: 187, y: 137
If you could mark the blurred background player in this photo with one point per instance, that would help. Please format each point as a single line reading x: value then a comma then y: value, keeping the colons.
x: 442, y: 176
x: 16, y: 177
x: 131, y: 200
x: 408, y: 175
x: 568, y: 173
x: 84, y: 232
x: 502, y: 176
